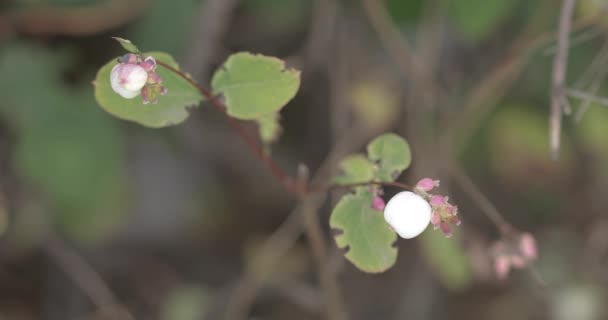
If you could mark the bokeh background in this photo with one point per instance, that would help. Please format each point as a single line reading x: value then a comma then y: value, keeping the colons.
x: 105, y: 219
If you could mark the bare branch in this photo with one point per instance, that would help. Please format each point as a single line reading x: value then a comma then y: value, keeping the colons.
x: 560, y: 64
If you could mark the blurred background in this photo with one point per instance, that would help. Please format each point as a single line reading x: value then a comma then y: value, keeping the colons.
x: 105, y: 219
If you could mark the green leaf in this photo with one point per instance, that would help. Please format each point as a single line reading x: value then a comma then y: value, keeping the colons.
x: 368, y: 238
x: 477, y: 19
x: 269, y: 128
x: 392, y: 153
x: 447, y: 258
x: 171, y: 109
x: 255, y: 85
x: 356, y: 169
x: 128, y: 45
x: 186, y: 303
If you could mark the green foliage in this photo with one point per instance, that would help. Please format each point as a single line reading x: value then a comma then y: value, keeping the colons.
x: 269, y: 127
x: 366, y: 234
x: 448, y: 259
x: 368, y: 238
x: 171, y: 109
x: 255, y: 85
x: 186, y: 303
x: 374, y: 104
x: 356, y: 169
x: 477, y: 19
x: 392, y: 154
x: 127, y: 45
x: 593, y: 130
x: 66, y: 148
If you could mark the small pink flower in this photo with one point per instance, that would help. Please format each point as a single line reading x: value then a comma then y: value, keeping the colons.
x: 517, y: 252
x: 149, y: 64
x: 427, y: 184
x: 445, y: 228
x: 435, y: 220
x: 437, y: 200
x: 502, y: 266
x: 528, y: 246
x: 378, y: 203
x: 444, y: 214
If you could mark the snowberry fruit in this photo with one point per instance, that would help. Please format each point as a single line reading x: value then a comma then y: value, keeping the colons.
x: 128, y: 79
x: 408, y: 214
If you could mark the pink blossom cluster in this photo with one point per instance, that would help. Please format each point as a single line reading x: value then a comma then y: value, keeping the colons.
x: 443, y: 214
x: 515, y: 252
x: 134, y: 75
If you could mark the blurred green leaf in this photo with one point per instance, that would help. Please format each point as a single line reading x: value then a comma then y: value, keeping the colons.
x: 255, y: 85
x: 374, y: 104
x: 66, y: 147
x: 447, y: 258
x: 368, y: 238
x: 356, y: 169
x: 269, y: 127
x: 593, y: 130
x: 171, y: 109
x: 404, y: 11
x: 477, y: 19
x: 392, y: 153
x: 185, y: 303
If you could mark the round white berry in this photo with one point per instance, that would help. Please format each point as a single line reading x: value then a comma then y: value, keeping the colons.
x: 408, y: 214
x: 127, y: 79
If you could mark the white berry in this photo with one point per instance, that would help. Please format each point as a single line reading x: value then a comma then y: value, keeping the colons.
x: 408, y: 214
x: 127, y: 79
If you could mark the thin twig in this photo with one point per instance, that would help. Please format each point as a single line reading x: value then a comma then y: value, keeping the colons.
x: 334, y: 301
x: 373, y: 183
x: 274, y: 168
x: 560, y: 64
x: 480, y: 199
x: 281, y: 240
x: 86, y: 278
x: 580, y: 94
x: 400, y: 51
x: 595, y: 73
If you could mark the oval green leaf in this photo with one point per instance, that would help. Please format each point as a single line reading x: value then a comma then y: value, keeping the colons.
x: 392, y: 153
x: 255, y: 85
x: 355, y: 169
x: 171, y: 109
x: 368, y: 238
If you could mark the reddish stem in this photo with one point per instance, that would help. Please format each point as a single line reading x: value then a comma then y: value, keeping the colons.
x: 274, y: 168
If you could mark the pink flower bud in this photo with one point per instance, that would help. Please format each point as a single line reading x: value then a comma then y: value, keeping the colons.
x: 128, y: 79
x: 378, y: 203
x: 527, y: 246
x: 427, y: 184
x: 502, y: 265
x: 149, y: 64
x: 437, y: 200
x: 435, y: 220
x: 153, y: 77
x: 445, y: 228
